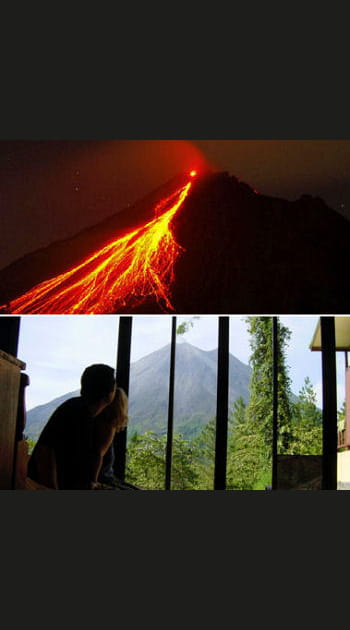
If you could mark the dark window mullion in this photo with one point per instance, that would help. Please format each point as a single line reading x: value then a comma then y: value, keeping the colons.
x: 329, y: 389
x: 123, y: 377
x: 222, y: 404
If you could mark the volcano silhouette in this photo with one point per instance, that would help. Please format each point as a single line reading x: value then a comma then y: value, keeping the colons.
x: 238, y: 252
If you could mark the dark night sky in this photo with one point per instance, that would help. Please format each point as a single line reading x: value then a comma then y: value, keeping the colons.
x: 50, y: 190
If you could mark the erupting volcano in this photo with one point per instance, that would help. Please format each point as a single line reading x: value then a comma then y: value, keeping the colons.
x: 134, y: 266
x: 198, y: 244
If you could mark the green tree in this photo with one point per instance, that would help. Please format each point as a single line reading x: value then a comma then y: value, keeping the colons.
x: 186, y: 325
x: 307, y: 423
x: 184, y: 475
x: 250, y: 443
x: 246, y: 460
x: 341, y: 417
x: 237, y: 469
x: 260, y: 407
x: 205, y: 456
x: 146, y: 462
x: 30, y: 443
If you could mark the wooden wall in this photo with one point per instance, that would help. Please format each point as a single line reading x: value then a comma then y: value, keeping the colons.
x: 12, y: 416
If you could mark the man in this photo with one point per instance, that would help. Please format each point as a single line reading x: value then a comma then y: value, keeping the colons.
x: 69, y: 452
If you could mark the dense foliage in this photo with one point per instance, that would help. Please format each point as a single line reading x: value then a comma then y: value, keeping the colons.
x: 248, y: 453
x: 146, y: 462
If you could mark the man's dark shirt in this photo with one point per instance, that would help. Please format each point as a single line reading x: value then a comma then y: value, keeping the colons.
x: 69, y: 432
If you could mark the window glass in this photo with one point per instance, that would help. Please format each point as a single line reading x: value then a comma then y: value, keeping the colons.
x: 148, y: 401
x: 300, y: 423
x: 195, y: 403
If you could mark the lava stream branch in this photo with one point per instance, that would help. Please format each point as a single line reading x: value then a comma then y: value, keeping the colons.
x: 137, y: 265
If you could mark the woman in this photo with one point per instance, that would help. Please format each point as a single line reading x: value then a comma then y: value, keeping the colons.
x: 114, y: 418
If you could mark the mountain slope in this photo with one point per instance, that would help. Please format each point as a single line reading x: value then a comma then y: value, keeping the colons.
x: 194, y: 391
x: 250, y: 253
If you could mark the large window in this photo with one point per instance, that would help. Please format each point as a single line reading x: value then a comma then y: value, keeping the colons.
x: 56, y: 349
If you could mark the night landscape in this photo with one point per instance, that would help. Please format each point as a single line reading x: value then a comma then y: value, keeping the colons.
x: 202, y: 242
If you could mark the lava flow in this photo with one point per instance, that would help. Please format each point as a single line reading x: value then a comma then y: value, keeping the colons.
x: 136, y: 265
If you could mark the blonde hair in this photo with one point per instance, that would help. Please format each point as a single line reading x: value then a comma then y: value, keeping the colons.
x: 116, y: 413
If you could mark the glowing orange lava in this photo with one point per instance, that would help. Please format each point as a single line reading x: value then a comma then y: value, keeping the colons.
x: 137, y: 265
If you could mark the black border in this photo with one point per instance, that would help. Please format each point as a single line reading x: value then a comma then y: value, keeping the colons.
x: 118, y: 522
x: 216, y: 96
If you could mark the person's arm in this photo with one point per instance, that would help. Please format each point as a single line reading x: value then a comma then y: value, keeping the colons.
x: 104, y: 437
x: 95, y: 467
x: 46, y: 466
